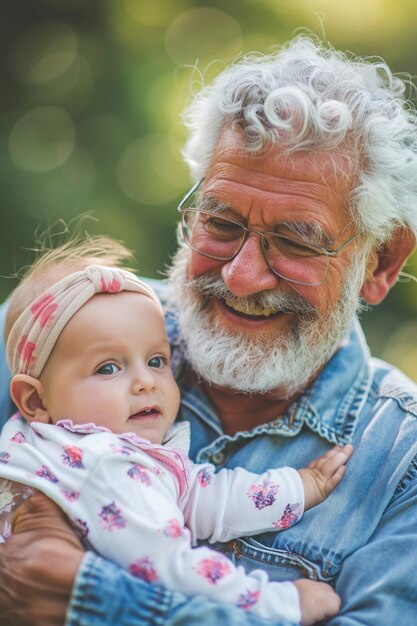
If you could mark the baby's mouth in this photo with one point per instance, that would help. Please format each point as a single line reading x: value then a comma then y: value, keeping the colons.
x: 147, y: 413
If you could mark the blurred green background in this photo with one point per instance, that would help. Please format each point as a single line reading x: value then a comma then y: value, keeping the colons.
x: 90, y: 116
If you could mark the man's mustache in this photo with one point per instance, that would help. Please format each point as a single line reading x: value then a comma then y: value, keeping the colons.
x: 213, y: 287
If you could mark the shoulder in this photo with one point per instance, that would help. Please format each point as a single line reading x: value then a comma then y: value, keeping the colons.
x: 385, y: 436
x: 390, y: 385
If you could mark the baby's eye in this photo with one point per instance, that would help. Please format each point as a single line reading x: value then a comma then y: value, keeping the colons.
x: 156, y: 361
x: 108, y: 369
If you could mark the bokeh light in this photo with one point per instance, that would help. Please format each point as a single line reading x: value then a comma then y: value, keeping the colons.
x: 147, y: 13
x: 90, y: 115
x: 149, y: 172
x: 203, y: 34
x: 44, y: 52
x: 42, y: 139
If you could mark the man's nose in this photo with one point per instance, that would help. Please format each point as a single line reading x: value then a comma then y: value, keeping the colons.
x: 248, y: 272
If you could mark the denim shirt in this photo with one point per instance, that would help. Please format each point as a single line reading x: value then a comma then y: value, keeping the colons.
x: 362, y: 539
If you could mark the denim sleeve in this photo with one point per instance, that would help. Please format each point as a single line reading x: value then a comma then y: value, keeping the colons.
x: 105, y: 595
x: 377, y: 583
x: 6, y: 406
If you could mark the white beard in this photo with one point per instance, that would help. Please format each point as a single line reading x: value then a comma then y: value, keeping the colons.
x: 258, y: 364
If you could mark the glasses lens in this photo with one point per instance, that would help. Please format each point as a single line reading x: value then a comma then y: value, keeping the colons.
x: 211, y: 235
x: 295, y: 261
x: 220, y: 238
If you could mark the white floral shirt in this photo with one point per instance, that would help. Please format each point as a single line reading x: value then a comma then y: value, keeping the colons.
x: 145, y: 506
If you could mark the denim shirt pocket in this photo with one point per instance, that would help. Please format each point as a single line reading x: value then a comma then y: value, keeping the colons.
x: 283, y: 557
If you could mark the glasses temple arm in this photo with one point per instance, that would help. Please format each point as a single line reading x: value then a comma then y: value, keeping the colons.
x: 190, y: 193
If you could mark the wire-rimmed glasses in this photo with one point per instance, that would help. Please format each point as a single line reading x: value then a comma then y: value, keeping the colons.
x: 221, y: 238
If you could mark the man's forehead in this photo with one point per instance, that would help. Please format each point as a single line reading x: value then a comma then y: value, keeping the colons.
x: 336, y: 169
x: 270, y: 186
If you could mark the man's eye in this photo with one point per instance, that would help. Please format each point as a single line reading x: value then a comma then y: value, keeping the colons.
x: 156, y: 361
x: 292, y: 247
x: 108, y: 369
x: 225, y: 228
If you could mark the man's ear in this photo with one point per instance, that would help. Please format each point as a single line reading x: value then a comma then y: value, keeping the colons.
x: 385, y: 263
x: 27, y: 393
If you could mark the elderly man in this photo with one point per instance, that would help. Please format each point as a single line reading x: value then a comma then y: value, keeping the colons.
x: 305, y: 204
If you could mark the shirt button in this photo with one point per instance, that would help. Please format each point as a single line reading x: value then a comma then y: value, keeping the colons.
x: 218, y: 458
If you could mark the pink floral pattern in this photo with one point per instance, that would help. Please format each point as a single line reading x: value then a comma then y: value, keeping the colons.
x: 246, y: 600
x: 4, y: 457
x: 144, y: 569
x: 18, y: 438
x: 263, y: 495
x: 43, y: 309
x: 213, y: 568
x: 26, y: 349
x: 71, y: 496
x: 291, y: 515
x: 204, y: 477
x: 112, y: 286
x: 137, y: 472
x: 45, y: 472
x: 111, y: 517
x: 173, y: 529
x: 72, y: 457
x: 121, y: 449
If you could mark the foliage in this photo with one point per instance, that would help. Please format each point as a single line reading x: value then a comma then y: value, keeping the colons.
x: 90, y: 115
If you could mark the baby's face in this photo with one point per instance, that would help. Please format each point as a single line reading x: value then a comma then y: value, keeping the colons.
x: 111, y: 366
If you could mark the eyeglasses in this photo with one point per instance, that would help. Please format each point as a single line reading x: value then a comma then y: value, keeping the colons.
x: 221, y: 238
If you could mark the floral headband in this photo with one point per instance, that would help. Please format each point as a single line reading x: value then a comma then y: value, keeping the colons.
x: 36, y: 331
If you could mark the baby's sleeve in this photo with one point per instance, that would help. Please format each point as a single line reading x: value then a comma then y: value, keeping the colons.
x: 234, y: 503
x: 133, y: 519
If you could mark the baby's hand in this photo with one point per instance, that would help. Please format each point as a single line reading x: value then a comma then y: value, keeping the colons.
x: 324, y: 474
x: 318, y: 601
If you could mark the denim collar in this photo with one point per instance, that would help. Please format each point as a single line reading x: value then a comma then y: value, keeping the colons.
x: 330, y: 407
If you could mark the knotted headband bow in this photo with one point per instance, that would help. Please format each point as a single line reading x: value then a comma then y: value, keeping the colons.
x: 36, y: 331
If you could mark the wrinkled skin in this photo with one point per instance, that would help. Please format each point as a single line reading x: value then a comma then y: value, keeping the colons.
x: 38, y: 566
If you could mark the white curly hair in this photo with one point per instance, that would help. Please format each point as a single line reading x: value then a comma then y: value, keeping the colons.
x: 308, y: 96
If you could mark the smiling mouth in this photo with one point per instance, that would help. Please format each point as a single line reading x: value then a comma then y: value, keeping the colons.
x: 251, y: 312
x: 148, y: 413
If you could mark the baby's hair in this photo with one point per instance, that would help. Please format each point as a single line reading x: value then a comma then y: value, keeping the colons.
x: 53, y: 264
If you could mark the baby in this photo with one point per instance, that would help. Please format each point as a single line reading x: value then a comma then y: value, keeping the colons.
x: 97, y: 400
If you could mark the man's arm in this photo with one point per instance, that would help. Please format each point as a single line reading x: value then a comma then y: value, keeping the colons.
x: 38, y: 566
x: 377, y: 582
x: 47, y: 580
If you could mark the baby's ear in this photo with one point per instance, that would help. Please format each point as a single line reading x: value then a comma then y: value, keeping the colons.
x: 26, y: 393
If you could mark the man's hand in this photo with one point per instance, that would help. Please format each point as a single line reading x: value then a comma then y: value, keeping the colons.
x: 38, y: 565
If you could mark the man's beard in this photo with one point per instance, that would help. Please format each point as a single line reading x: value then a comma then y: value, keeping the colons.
x: 261, y: 363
